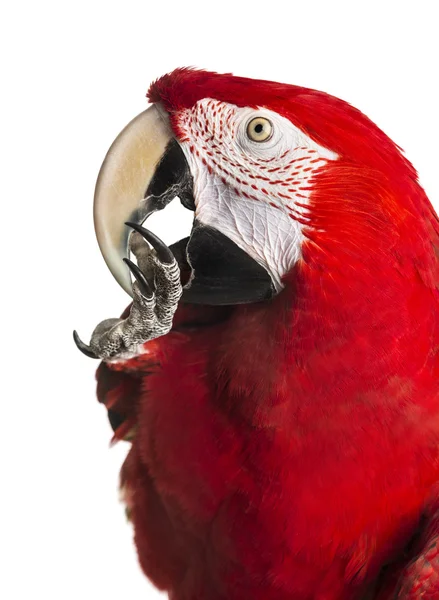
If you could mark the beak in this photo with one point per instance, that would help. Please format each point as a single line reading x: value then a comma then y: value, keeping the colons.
x: 140, y: 175
x: 143, y: 171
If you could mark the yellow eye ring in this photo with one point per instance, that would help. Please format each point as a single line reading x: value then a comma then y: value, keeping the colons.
x: 259, y: 129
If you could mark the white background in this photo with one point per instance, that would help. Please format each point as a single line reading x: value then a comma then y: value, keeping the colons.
x: 72, y: 75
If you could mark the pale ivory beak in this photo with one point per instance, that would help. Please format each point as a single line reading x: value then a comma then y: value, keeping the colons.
x: 122, y: 183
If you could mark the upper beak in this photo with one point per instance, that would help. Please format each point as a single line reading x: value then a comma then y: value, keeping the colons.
x: 143, y: 171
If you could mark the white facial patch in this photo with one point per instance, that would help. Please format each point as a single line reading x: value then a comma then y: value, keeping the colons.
x: 255, y: 193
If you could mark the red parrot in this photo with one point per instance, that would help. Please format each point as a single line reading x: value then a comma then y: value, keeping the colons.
x: 277, y: 373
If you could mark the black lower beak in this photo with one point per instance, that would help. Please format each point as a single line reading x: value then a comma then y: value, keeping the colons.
x: 222, y: 273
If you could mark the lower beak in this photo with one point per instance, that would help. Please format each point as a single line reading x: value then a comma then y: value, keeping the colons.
x: 144, y: 170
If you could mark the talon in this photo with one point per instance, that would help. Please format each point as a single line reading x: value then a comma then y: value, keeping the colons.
x: 145, y: 288
x: 83, y: 347
x: 163, y: 252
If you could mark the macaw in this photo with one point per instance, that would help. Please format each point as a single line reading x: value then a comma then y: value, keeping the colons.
x: 277, y: 372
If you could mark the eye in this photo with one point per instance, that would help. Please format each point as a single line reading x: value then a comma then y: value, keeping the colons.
x: 259, y: 129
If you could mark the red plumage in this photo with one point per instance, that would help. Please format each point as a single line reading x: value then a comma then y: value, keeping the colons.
x: 289, y: 449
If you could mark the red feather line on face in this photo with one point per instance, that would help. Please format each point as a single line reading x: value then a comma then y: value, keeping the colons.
x: 369, y: 196
x: 329, y: 121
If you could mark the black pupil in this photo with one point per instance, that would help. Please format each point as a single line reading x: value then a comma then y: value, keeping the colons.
x: 259, y: 128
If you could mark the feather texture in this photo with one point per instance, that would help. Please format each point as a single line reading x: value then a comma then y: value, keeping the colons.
x: 289, y: 449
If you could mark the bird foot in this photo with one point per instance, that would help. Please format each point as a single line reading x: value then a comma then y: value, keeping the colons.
x: 156, y: 292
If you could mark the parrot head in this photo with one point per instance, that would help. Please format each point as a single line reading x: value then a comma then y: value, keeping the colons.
x: 277, y: 176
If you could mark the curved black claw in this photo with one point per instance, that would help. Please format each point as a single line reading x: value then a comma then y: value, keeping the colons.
x: 83, y: 347
x: 145, y: 288
x: 163, y: 252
